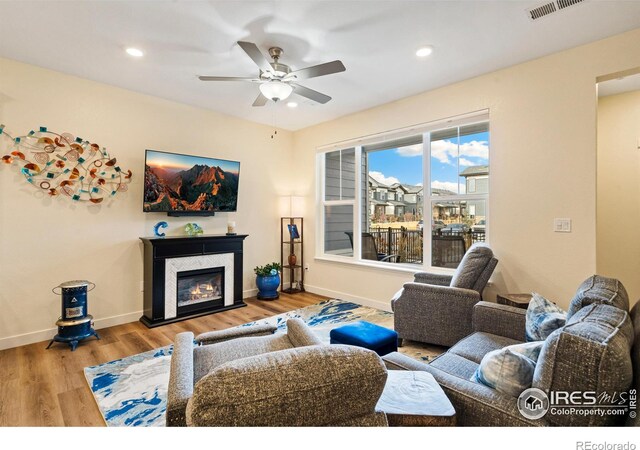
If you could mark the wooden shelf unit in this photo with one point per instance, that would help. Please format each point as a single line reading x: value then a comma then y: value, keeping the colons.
x: 292, y: 246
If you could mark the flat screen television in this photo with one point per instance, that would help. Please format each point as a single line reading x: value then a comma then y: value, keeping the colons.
x: 189, y: 185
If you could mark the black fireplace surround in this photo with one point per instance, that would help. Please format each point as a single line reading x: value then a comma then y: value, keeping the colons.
x: 195, y: 302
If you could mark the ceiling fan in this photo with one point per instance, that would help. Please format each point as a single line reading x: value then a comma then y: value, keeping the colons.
x: 278, y: 80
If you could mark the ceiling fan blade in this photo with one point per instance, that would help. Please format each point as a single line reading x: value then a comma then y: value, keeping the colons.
x: 208, y: 78
x: 310, y: 93
x: 256, y: 55
x: 317, y: 71
x: 261, y: 100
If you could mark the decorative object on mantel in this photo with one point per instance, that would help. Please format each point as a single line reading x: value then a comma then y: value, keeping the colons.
x: 268, y: 281
x: 75, y: 324
x: 156, y: 228
x: 231, y: 228
x: 193, y: 229
x: 68, y: 165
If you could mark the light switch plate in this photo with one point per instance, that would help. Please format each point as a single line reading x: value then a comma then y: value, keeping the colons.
x: 562, y: 225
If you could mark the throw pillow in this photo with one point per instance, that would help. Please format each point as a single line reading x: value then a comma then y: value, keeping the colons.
x: 509, y: 369
x: 543, y: 318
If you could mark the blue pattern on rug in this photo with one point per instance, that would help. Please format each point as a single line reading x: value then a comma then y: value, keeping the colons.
x: 132, y: 391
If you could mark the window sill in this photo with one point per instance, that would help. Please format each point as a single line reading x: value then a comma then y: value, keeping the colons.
x: 389, y: 267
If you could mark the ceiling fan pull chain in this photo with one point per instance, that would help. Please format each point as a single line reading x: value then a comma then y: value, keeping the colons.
x: 273, y: 119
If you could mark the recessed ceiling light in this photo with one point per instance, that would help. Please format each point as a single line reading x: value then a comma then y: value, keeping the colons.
x: 135, y: 52
x: 424, y: 51
x: 292, y: 104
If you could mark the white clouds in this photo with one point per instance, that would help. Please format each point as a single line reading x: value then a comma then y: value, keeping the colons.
x: 380, y: 178
x: 443, y: 150
x: 465, y: 162
x: 449, y: 186
x: 476, y: 149
x: 446, y: 151
x: 410, y: 150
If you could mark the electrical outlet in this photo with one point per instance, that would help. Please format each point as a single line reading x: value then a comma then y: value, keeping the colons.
x: 562, y: 225
x: 306, y: 267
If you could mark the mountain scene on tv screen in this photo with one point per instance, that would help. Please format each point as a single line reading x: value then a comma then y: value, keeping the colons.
x: 199, y: 188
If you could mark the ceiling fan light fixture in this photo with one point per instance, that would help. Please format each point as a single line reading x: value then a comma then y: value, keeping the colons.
x: 276, y: 90
x: 292, y: 104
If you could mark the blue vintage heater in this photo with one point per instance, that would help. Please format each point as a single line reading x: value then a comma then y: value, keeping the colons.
x: 75, y: 324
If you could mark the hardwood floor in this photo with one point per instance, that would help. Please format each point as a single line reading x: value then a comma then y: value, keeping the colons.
x: 41, y: 387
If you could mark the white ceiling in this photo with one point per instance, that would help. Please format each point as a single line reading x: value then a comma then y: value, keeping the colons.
x: 376, y: 40
x: 619, y: 85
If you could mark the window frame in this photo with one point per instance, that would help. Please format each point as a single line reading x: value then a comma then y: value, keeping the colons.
x: 359, y: 201
x: 320, y: 239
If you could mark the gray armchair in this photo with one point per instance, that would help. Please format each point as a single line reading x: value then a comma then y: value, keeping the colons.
x: 190, y: 363
x: 253, y: 377
x: 437, y: 309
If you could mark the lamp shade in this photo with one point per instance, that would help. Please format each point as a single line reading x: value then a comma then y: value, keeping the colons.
x: 276, y: 90
x: 297, y: 206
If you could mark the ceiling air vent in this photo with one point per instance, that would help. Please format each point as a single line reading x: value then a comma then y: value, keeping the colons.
x: 562, y: 4
x: 550, y: 8
x: 542, y: 11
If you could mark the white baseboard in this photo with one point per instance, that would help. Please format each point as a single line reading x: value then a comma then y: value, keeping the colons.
x: 117, y: 320
x: 386, y: 306
x: 47, y: 334
x: 249, y: 293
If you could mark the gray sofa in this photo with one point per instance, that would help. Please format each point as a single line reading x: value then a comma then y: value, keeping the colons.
x: 594, y: 351
x: 254, y: 377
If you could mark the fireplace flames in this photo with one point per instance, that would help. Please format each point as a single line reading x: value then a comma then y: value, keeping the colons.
x: 204, y: 291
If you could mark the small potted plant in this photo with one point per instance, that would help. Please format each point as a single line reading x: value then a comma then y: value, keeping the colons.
x: 268, y: 281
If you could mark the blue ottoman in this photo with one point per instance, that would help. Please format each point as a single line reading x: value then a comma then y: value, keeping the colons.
x: 368, y: 335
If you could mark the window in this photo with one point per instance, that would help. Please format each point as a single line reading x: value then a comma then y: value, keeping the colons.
x: 338, y: 201
x: 384, y: 220
x: 459, y: 169
x: 390, y: 225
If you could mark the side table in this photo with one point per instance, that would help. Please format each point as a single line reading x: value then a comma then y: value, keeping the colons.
x: 517, y: 300
x: 415, y: 399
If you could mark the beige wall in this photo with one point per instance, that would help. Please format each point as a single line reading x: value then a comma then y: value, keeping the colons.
x: 46, y: 241
x: 543, y: 165
x: 618, y: 204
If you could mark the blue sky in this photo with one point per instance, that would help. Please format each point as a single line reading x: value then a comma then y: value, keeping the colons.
x: 404, y: 165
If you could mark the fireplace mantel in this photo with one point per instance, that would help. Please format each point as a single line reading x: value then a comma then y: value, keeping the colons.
x: 160, y: 253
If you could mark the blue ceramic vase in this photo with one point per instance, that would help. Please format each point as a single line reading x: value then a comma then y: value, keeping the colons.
x: 268, y: 286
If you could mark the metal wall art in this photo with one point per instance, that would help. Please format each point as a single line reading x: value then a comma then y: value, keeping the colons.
x: 68, y: 165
